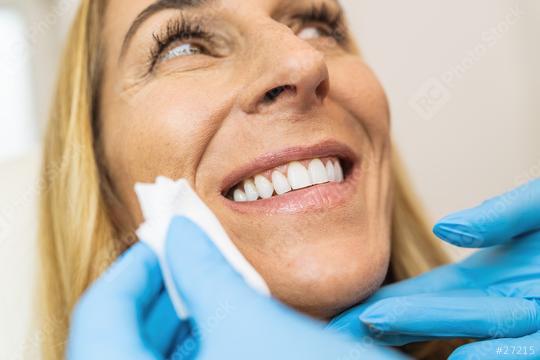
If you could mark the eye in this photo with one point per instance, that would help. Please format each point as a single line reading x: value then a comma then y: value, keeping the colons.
x: 180, y: 37
x: 182, y: 49
x: 311, y: 32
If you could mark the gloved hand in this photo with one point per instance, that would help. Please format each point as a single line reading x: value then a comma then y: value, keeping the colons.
x: 492, y: 295
x: 126, y: 314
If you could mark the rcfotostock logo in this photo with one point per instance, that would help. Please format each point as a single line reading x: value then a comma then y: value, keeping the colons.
x: 430, y: 98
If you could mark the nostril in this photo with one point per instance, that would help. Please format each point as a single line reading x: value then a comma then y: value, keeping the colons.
x: 273, y: 94
x: 323, y: 89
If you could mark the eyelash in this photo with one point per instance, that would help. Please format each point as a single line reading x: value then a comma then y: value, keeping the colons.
x: 322, y: 14
x: 187, y: 29
x: 177, y: 29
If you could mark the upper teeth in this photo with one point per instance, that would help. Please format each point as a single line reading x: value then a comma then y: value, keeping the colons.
x: 297, y: 176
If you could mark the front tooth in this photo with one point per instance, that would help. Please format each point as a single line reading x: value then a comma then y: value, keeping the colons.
x: 240, y: 196
x: 298, y: 176
x: 264, y: 187
x: 330, y: 171
x: 339, y: 171
x: 250, y: 190
x: 281, y: 185
x: 317, y: 172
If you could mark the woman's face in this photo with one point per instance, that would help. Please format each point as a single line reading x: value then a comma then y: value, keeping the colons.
x: 250, y: 99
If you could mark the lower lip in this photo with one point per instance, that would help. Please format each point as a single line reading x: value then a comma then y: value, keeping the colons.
x: 317, y: 197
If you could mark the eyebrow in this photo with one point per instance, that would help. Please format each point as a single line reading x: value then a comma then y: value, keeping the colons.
x: 156, y: 7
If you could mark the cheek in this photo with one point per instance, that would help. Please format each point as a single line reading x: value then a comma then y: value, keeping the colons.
x: 162, y: 131
x: 356, y: 88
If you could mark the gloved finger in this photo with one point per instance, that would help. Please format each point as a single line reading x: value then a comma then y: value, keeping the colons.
x: 348, y: 323
x: 351, y: 326
x: 111, y: 309
x: 204, y: 278
x: 526, y: 347
x: 162, y: 326
x: 453, y: 316
x: 444, y: 278
x: 495, y: 221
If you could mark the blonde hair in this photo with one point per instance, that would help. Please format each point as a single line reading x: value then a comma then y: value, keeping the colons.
x: 78, y: 237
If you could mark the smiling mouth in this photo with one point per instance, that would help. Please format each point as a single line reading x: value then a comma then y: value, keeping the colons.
x: 290, y: 177
x: 294, y: 179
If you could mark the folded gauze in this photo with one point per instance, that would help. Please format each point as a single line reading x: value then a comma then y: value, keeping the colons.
x: 166, y: 199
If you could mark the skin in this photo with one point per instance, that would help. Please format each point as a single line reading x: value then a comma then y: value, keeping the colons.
x: 202, y: 117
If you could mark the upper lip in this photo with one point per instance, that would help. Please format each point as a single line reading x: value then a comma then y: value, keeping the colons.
x: 287, y: 155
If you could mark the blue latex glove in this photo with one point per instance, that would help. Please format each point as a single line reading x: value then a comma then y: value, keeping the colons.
x: 126, y: 315
x: 492, y: 295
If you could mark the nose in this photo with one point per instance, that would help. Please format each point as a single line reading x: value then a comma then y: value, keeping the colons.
x: 289, y: 72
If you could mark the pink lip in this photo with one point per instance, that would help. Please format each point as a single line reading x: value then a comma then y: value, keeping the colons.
x: 315, y: 197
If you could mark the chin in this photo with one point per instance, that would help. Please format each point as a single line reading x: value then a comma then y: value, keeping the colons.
x: 324, y: 275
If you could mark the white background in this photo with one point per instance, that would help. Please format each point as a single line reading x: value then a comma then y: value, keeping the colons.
x: 462, y: 77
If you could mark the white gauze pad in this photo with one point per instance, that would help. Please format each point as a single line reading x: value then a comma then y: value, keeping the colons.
x: 160, y: 203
